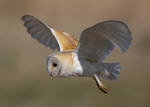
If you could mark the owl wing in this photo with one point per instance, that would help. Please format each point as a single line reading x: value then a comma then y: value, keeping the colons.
x: 98, y: 41
x: 48, y: 36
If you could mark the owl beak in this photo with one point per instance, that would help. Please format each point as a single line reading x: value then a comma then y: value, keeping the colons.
x: 50, y: 70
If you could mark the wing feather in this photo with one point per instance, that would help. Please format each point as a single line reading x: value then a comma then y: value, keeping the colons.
x: 48, y: 36
x: 98, y: 41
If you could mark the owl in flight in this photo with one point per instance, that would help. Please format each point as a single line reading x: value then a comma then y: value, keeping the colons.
x: 84, y: 57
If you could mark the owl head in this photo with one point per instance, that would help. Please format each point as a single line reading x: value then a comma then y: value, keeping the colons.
x: 53, y: 66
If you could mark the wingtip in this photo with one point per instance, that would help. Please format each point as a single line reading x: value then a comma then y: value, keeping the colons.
x: 26, y: 17
x: 125, y: 49
x: 118, y: 33
x: 22, y: 18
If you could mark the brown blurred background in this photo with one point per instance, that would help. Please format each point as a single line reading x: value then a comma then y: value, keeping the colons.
x: 24, y: 81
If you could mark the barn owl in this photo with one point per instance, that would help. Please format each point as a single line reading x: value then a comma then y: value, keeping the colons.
x: 84, y: 58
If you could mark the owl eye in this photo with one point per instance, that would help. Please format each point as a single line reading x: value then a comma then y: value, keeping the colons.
x: 54, y: 65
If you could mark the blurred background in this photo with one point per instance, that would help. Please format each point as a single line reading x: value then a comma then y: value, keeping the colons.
x: 24, y: 81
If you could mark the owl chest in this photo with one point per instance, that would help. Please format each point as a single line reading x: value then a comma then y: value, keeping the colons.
x: 71, y: 68
x: 77, y: 67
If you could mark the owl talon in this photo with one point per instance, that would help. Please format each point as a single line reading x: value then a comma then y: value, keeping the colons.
x: 100, y: 84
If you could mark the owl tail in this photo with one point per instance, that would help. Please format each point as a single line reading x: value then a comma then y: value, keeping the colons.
x: 111, y: 70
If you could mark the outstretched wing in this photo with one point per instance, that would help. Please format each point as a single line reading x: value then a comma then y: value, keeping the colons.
x: 98, y: 41
x: 48, y: 36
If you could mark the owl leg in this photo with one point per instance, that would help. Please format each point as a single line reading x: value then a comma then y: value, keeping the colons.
x: 100, y: 84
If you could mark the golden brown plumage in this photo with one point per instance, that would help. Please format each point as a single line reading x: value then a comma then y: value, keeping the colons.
x: 66, y: 41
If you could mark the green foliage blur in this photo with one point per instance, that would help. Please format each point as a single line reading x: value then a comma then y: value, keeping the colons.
x: 24, y: 81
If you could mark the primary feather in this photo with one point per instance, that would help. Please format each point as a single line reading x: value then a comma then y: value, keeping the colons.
x: 40, y: 32
x: 98, y: 41
x: 51, y: 38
